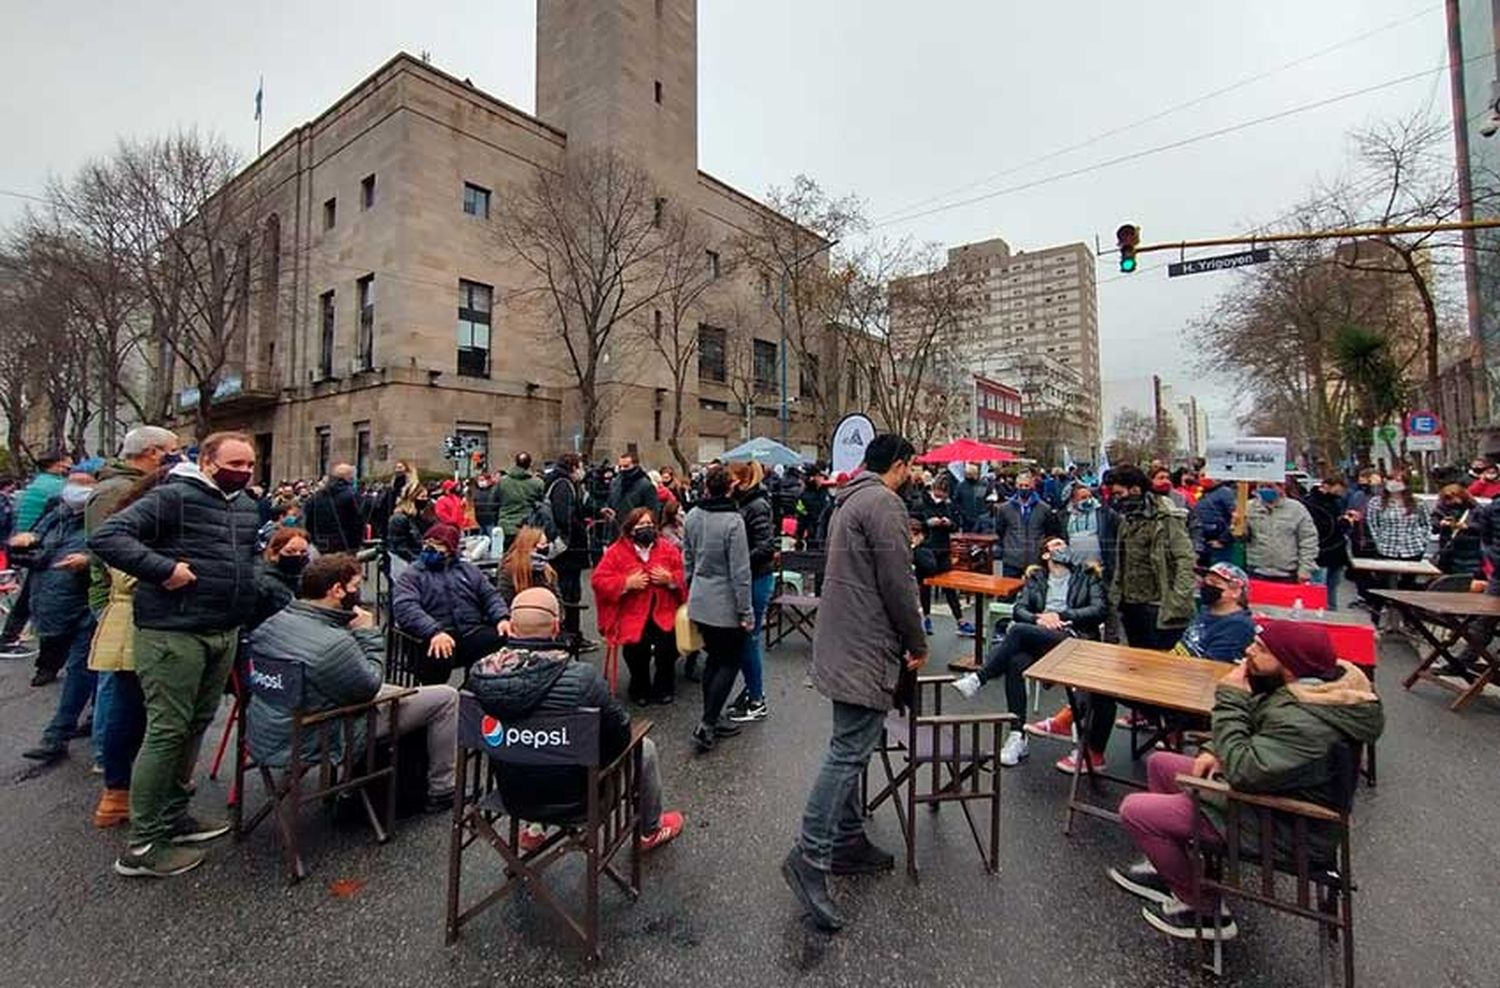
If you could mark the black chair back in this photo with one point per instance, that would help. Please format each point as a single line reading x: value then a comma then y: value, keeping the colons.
x: 276, y: 681
x: 549, y: 741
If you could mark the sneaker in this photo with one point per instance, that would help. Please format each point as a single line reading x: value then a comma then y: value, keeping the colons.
x: 587, y: 645
x: 44, y: 677
x: 927, y: 625
x: 857, y: 856
x: 532, y: 836
x: 1049, y: 728
x: 969, y: 685
x: 1177, y: 919
x: 1065, y: 764
x: 703, y: 738
x: 1014, y: 750
x: 1133, y: 719
x: 97, y: 768
x: 157, y: 861
x: 753, y: 712
x: 669, y: 827
x: 188, y: 829
x: 739, y: 703
x: 46, y: 753
x: 965, y: 629
x: 727, y: 729
x: 665, y: 700
x: 1141, y: 879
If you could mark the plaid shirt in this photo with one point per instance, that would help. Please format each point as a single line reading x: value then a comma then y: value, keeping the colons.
x: 1398, y: 533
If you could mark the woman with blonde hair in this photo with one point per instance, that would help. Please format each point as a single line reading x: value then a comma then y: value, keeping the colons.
x: 754, y: 505
x: 526, y: 565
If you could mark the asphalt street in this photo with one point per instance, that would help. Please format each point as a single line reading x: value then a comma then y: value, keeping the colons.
x: 715, y: 910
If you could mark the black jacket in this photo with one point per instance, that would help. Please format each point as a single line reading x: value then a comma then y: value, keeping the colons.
x: 1333, y: 529
x: 404, y: 536
x: 1087, y: 603
x: 487, y: 507
x: 929, y: 512
x: 186, y: 519
x: 333, y: 518
x: 516, y: 683
x: 630, y: 490
x: 273, y: 591
x: 755, y: 508
x: 1459, y: 552
x: 570, y: 513
x: 968, y: 500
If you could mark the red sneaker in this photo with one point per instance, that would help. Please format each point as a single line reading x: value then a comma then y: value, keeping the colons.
x: 533, y: 836
x: 670, y: 826
x: 1065, y: 764
x: 1133, y: 719
x: 1049, y: 728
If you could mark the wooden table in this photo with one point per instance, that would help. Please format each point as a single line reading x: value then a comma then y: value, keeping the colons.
x: 1136, y: 675
x: 983, y: 586
x: 1404, y: 567
x: 1464, y: 617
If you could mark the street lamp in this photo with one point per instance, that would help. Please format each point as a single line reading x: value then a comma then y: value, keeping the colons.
x: 796, y: 262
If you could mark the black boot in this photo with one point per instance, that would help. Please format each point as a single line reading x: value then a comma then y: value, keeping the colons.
x: 811, y: 888
x: 690, y: 668
x: 857, y: 856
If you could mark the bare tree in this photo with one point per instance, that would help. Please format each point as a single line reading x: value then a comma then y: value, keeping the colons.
x: 1136, y: 437
x: 589, y: 238
x: 685, y: 281
x: 742, y: 378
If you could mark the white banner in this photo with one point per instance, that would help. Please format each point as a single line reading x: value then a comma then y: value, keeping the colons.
x: 1253, y: 458
x: 850, y: 437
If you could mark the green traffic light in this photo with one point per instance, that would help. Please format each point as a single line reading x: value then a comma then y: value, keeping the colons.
x: 1127, y: 265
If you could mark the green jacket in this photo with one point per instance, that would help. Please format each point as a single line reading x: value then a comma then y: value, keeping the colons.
x: 1280, y: 742
x: 519, y: 492
x: 1160, y: 533
x: 115, y: 481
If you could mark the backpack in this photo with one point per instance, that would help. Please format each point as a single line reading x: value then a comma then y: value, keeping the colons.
x: 542, y: 517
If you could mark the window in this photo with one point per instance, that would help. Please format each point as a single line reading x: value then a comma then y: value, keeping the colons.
x: 324, y: 449
x: 658, y: 209
x: 656, y: 325
x: 474, y: 302
x: 361, y: 450
x: 808, y: 376
x: 658, y: 91
x: 710, y: 405
x: 853, y: 396
x: 656, y: 425
x: 365, y: 288
x: 367, y: 192
x: 765, y: 366
x: 325, y: 347
x: 330, y: 213
x: 713, y: 263
x: 711, y: 353
x: 476, y: 201
x: 765, y: 285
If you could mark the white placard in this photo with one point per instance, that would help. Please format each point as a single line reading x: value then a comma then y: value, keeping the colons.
x: 1424, y: 444
x: 1253, y: 458
x: 850, y: 438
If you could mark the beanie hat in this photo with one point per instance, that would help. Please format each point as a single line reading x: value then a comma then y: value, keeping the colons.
x: 449, y: 485
x: 1303, y: 649
x: 445, y: 535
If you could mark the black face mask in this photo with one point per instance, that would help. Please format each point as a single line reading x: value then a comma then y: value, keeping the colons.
x: 1210, y: 594
x: 292, y: 565
x: 1264, y: 685
x: 644, y: 536
x: 1130, y: 504
x: 349, y: 600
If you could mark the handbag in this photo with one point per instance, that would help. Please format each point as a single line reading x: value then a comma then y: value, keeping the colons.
x: 689, y: 638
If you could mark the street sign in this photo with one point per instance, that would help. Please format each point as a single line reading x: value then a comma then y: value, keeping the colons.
x: 1224, y: 262
x: 1424, y: 432
x: 1385, y: 440
x: 1253, y: 458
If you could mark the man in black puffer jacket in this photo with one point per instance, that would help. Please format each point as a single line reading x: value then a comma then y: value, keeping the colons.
x: 333, y: 517
x: 533, y: 677
x: 190, y: 542
x: 631, y: 489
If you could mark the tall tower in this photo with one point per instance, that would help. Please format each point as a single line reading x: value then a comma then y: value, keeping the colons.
x: 623, y: 74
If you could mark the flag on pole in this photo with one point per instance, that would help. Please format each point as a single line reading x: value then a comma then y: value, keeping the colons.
x: 1103, y: 463
x: 260, y: 95
x: 1067, y: 459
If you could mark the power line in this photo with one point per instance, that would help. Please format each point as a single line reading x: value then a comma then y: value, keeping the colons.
x: 896, y: 215
x: 1172, y: 145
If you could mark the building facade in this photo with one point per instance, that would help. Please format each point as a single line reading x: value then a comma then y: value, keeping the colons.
x: 998, y: 418
x: 390, y: 313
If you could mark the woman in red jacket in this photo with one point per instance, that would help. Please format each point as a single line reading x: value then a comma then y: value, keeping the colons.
x: 638, y: 586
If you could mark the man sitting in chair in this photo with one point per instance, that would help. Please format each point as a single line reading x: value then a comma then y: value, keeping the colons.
x: 343, y: 655
x: 1276, y: 720
x: 448, y: 603
x: 533, y: 675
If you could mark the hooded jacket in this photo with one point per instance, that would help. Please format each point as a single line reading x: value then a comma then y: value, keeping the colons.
x: 518, y: 492
x: 186, y: 518
x: 1215, y: 513
x: 519, y: 682
x: 1281, y: 742
x: 760, y: 530
x: 1327, y: 513
x: 115, y: 481
x: 869, y: 619
x: 59, y: 597
x: 1087, y: 606
x: 632, y: 489
x: 716, y: 565
x: 968, y: 501
x: 1159, y: 535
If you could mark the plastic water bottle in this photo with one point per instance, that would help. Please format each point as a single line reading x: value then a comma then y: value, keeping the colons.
x: 1297, y: 609
x: 497, y: 542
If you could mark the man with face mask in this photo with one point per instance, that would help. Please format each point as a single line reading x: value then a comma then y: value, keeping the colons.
x: 1281, y: 537
x: 448, y: 602
x: 1485, y: 477
x: 342, y: 653
x: 630, y: 488
x: 190, y: 544
x: 571, y: 506
x: 58, y: 561
x: 1276, y: 719
x: 968, y: 499
x: 1023, y: 523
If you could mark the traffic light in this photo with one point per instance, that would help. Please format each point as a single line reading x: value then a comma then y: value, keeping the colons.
x: 1127, y: 238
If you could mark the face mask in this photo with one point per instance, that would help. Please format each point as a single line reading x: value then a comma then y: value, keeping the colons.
x: 1394, y: 486
x: 1491, y: 476
x: 292, y: 565
x: 1268, y: 495
x: 1024, y: 492
x: 231, y: 481
x: 171, y: 459
x: 1131, y: 503
x: 434, y: 558
x: 349, y: 600
x: 1210, y: 594
x: 75, y: 496
x: 1475, y: 471
x: 1264, y: 685
x: 1062, y: 556
x: 1162, y: 486
x: 539, y: 560
x: 644, y: 536
x: 291, y: 521
x: 1086, y: 504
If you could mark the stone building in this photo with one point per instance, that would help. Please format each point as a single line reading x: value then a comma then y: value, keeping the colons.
x: 389, y: 314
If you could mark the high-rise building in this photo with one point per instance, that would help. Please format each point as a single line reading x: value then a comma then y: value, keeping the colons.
x: 388, y: 311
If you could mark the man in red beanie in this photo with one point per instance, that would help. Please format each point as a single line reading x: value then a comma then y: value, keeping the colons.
x: 1277, y: 718
x: 448, y: 602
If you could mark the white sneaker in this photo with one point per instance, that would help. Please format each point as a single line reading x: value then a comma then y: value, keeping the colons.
x: 968, y: 684
x: 1014, y: 750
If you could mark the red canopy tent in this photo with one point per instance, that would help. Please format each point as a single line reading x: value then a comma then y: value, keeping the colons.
x: 967, y: 450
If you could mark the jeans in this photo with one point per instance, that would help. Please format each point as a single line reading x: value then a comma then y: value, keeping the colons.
x: 1022, y: 645
x: 723, y: 650
x: 119, y: 725
x: 1014, y: 572
x: 652, y: 680
x: 78, y: 683
x: 433, y: 709
x: 1161, y: 822
x: 1330, y: 577
x: 833, y: 812
x: 104, y: 696
x: 182, y: 676
x: 1139, y: 621
x: 752, y: 665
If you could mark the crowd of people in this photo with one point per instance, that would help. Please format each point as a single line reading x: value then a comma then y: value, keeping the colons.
x: 147, y: 575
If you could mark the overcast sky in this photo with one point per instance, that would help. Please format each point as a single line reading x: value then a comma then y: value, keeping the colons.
x: 897, y: 101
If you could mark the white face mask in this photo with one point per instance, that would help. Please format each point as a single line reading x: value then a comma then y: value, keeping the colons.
x: 1394, y: 486
x: 75, y: 496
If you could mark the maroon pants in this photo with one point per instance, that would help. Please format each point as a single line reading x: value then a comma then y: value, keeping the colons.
x: 1161, y: 822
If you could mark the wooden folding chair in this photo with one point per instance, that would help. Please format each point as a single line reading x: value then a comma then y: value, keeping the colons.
x: 606, y: 819
x: 280, y: 684
x: 793, y: 609
x: 959, y: 748
x: 1307, y: 841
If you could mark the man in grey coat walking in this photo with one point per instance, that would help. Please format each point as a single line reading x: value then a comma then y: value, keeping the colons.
x: 869, y: 626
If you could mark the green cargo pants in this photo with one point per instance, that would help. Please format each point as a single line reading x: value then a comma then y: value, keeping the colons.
x: 182, y: 676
